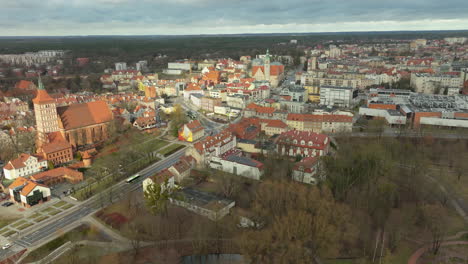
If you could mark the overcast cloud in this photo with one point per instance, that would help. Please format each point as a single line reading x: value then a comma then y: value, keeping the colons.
x: 172, y: 17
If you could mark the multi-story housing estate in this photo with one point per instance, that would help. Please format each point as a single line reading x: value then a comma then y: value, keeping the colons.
x: 435, y: 83
x: 31, y: 58
x: 209, y: 103
x: 337, y: 96
x: 322, y: 122
x: 239, y: 101
x: 302, y: 143
x: 313, y: 83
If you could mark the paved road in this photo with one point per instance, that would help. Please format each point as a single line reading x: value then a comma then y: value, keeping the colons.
x: 39, y: 232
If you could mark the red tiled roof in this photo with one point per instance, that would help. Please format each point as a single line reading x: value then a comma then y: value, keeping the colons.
x: 274, y: 123
x: 194, y: 126
x: 211, y: 141
x: 86, y: 114
x: 42, y: 97
x: 58, y: 172
x: 56, y: 143
x: 25, y: 85
x: 318, y: 140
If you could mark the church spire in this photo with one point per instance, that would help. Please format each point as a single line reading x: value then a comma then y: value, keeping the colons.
x: 40, y: 85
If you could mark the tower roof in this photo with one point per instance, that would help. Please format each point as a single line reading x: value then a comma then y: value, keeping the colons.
x: 42, y: 96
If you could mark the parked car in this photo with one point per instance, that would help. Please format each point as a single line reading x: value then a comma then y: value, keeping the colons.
x: 6, y: 246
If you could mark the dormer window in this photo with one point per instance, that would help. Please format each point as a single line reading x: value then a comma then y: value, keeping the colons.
x: 310, y: 143
x: 294, y: 141
x: 302, y: 142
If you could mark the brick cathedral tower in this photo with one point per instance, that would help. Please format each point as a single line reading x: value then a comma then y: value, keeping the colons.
x: 46, y: 114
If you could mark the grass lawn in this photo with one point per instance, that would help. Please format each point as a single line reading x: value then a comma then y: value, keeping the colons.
x: 42, y: 218
x: 19, y: 223
x: 48, y: 209
x: 171, y: 149
x: 157, y: 144
x: 25, y: 226
x: 60, y: 204
x: 67, y: 206
x: 35, y: 215
x: 6, y: 221
x: 82, y: 232
x: 54, y: 212
x: 404, y: 252
x: 9, y: 233
x: 4, y: 231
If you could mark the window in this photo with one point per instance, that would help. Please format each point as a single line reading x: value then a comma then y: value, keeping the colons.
x: 294, y: 141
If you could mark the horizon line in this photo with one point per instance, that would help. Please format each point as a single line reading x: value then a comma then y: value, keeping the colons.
x: 236, y: 34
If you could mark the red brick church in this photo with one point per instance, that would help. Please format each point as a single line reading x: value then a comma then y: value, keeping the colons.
x: 60, y: 130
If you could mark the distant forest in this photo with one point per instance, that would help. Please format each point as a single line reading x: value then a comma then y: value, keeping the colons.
x: 109, y: 49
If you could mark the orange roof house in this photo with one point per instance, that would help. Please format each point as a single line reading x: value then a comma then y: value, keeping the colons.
x: 28, y: 192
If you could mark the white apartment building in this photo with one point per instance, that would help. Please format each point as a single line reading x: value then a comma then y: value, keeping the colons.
x: 120, y: 66
x: 336, y: 96
x: 24, y: 165
x: 434, y: 83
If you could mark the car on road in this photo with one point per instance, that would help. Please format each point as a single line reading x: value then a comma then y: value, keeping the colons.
x: 6, y: 246
x: 7, y: 204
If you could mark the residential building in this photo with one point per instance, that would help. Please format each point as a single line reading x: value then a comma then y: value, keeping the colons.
x: 337, y: 96
x: 238, y: 101
x: 203, y: 203
x: 321, y: 122
x: 23, y: 166
x: 165, y: 179
x: 435, y: 83
x: 273, y: 126
x: 209, y: 103
x: 302, y: 143
x: 191, y: 131
x: 28, y: 193
x: 296, y: 92
x: 306, y: 170
x: 143, y: 122
x: 213, y: 146
x: 195, y: 98
x: 120, y: 66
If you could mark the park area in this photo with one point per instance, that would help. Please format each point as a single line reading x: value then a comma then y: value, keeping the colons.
x: 132, y: 152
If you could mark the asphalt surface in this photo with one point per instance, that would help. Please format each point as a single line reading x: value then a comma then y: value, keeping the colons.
x: 52, y: 227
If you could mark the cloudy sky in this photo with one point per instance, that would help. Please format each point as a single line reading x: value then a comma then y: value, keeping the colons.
x: 174, y: 17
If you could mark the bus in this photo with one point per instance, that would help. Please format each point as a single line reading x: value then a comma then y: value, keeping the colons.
x: 133, y: 178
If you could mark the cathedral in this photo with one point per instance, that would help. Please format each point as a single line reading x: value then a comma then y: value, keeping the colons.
x: 61, y: 130
x: 265, y: 70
